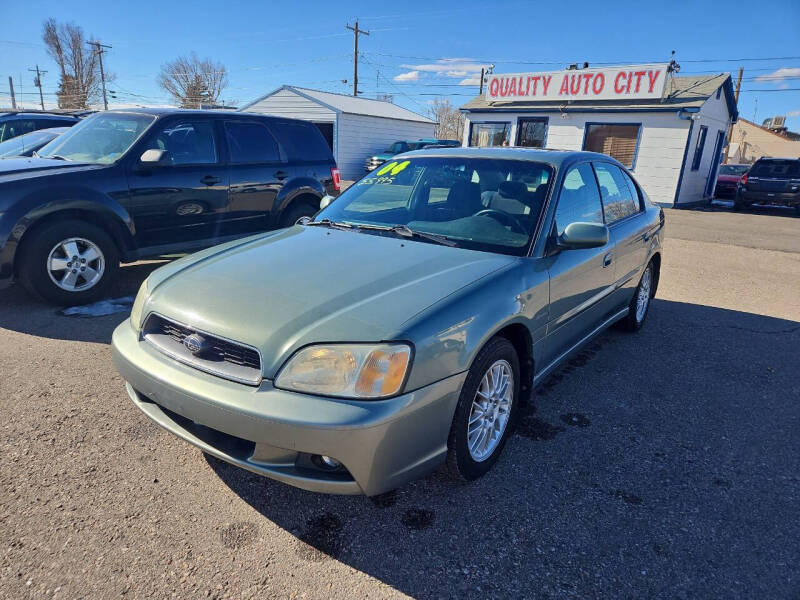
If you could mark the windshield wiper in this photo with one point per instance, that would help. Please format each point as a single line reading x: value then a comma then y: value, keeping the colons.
x: 56, y: 156
x: 407, y: 232
x: 329, y: 223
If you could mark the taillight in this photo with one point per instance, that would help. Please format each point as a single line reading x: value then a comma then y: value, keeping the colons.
x: 337, y: 179
x: 744, y: 179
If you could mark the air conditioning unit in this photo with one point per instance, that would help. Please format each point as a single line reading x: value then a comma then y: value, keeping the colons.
x: 774, y: 123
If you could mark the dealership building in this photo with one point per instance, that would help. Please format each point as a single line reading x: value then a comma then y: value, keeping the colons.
x: 669, y: 130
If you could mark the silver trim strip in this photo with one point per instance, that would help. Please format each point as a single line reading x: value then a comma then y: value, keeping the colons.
x: 546, y: 371
x: 183, y: 360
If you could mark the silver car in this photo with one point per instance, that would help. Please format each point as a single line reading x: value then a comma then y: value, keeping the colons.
x: 404, y: 326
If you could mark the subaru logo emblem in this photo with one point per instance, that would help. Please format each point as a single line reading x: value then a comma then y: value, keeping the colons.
x: 195, y: 343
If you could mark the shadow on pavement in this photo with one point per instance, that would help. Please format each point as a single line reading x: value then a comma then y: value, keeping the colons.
x: 725, y: 205
x: 25, y: 314
x: 649, y: 464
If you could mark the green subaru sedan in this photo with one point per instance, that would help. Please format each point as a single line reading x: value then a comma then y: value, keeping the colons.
x: 404, y: 326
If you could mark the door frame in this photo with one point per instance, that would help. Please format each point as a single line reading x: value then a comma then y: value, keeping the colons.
x: 711, y: 179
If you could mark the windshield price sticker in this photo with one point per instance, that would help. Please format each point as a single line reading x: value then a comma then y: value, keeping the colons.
x: 386, y: 173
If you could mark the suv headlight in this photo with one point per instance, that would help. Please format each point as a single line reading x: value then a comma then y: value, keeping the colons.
x: 138, y: 305
x: 347, y: 370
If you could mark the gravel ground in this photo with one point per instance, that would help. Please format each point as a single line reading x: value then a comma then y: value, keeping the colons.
x: 662, y: 464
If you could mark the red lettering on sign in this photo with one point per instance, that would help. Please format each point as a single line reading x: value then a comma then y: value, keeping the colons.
x: 619, y: 87
x: 628, y: 87
x: 598, y: 84
x: 512, y: 89
x: 535, y: 80
x: 639, y: 75
x: 564, y: 86
x: 653, y: 76
x: 504, y: 88
x: 575, y: 85
x: 528, y: 87
x: 545, y: 83
x: 587, y: 77
x: 494, y: 84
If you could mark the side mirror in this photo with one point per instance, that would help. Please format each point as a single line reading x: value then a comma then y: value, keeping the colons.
x: 583, y: 235
x: 326, y: 200
x: 156, y: 158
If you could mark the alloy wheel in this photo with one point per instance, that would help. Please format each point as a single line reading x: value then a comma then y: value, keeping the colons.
x: 75, y: 264
x: 643, y: 295
x: 490, y: 411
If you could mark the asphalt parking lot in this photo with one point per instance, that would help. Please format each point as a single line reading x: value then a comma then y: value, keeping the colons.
x: 662, y: 464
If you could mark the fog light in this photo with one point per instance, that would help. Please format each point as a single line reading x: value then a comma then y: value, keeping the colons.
x: 325, y: 462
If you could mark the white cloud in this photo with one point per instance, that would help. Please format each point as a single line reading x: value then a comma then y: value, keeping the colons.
x: 780, y: 74
x: 476, y: 80
x: 449, y: 67
x: 793, y: 113
x: 410, y: 76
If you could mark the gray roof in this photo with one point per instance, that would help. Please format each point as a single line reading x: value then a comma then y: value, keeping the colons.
x: 681, y: 92
x: 550, y: 156
x: 342, y: 103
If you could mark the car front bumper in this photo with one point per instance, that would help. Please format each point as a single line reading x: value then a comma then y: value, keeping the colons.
x: 381, y: 444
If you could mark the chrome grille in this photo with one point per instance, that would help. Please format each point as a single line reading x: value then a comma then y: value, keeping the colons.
x: 221, y: 356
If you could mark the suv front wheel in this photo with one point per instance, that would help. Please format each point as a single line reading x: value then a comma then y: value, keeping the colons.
x: 68, y: 263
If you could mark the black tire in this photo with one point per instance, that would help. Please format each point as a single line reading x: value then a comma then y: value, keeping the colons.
x: 632, y: 322
x: 33, y: 262
x: 297, y: 211
x: 460, y: 463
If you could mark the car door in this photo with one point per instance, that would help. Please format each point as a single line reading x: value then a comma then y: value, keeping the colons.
x: 581, y: 280
x: 182, y: 202
x: 257, y: 169
x: 623, y: 210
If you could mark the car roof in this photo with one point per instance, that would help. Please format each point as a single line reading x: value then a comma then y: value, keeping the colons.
x: 37, y: 115
x: 552, y: 157
x: 166, y: 111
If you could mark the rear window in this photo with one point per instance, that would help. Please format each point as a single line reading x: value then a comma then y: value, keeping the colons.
x: 733, y: 169
x: 776, y: 168
x: 302, y: 141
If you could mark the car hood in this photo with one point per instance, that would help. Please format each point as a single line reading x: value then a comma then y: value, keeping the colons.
x: 302, y: 285
x: 12, y: 169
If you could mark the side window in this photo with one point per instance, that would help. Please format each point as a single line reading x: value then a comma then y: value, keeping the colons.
x: 579, y: 200
x: 619, y: 197
x: 302, y: 141
x: 18, y: 127
x: 698, y: 149
x: 250, y: 142
x: 188, y: 142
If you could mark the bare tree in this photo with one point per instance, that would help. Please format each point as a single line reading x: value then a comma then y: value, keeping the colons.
x: 193, y: 82
x: 79, y: 82
x: 449, y: 120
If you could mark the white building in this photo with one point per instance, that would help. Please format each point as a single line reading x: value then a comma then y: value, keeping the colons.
x: 671, y: 134
x: 354, y: 127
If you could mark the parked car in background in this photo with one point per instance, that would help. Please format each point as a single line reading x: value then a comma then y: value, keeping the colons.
x: 28, y: 143
x: 373, y: 162
x: 770, y: 181
x: 125, y: 185
x: 404, y: 326
x: 13, y: 124
x: 728, y: 178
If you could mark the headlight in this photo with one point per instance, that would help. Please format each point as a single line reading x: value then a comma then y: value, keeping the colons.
x: 347, y: 370
x: 138, y: 305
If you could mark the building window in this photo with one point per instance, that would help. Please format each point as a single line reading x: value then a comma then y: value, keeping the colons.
x: 488, y: 134
x: 618, y: 141
x: 698, y: 150
x: 531, y: 132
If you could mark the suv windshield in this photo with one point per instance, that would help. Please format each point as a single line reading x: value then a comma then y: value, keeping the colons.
x: 733, y: 169
x: 780, y: 169
x: 477, y: 203
x: 100, y: 139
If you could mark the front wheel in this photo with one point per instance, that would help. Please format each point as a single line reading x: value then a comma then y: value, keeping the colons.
x: 486, y: 411
x: 68, y: 262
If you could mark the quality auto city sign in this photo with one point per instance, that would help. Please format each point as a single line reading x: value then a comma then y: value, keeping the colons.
x: 634, y: 82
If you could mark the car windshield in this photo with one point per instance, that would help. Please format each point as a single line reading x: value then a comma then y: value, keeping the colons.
x: 99, y: 139
x: 16, y: 146
x: 776, y: 168
x: 733, y: 169
x: 476, y: 203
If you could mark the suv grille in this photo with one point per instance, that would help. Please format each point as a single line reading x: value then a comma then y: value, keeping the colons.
x: 215, y: 355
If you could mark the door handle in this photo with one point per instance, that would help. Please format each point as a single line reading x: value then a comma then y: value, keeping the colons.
x: 281, y: 174
x: 209, y: 180
x: 608, y: 259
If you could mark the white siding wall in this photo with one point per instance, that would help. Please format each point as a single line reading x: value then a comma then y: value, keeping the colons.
x: 358, y: 137
x: 660, y: 151
x: 714, y: 115
x: 286, y: 103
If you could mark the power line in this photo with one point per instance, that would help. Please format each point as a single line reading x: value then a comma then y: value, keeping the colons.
x: 99, y: 49
x: 38, y: 82
x: 356, y: 32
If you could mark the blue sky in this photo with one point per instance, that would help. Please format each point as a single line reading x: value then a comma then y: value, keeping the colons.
x: 416, y: 50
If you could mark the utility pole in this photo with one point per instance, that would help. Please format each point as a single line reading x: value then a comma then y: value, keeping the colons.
x: 99, y: 49
x: 38, y: 82
x: 13, y: 97
x: 356, y: 31
x: 736, y: 103
x: 481, y: 90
